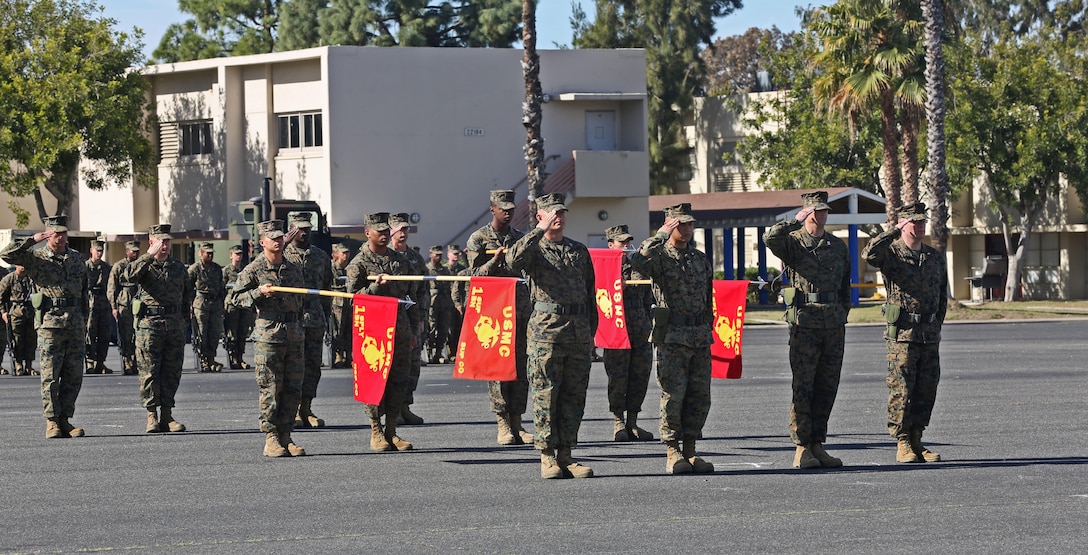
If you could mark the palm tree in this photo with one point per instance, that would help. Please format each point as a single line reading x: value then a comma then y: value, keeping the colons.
x: 937, y: 174
x: 531, y: 112
x: 869, y: 57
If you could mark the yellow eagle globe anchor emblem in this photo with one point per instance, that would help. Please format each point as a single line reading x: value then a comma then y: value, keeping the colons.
x: 604, y: 302
x: 373, y: 353
x: 487, y: 331
x: 728, y: 330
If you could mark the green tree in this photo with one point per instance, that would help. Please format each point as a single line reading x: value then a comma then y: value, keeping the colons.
x: 734, y: 63
x: 67, y: 93
x: 220, y: 28
x: 673, y: 34
x: 1018, y: 121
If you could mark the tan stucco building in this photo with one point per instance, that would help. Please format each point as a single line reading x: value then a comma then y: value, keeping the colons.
x: 363, y: 129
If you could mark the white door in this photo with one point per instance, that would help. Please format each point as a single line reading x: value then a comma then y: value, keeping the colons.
x: 600, y: 130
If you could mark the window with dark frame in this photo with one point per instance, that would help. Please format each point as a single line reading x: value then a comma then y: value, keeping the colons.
x: 195, y: 138
x: 302, y: 130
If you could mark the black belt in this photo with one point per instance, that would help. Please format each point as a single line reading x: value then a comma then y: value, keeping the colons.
x: 61, y: 302
x: 825, y: 297
x: 677, y: 320
x: 97, y: 290
x: 160, y: 310
x: 918, y: 317
x: 285, y: 317
x: 552, y: 308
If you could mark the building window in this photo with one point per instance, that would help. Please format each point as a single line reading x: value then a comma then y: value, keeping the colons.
x: 302, y: 130
x: 195, y: 138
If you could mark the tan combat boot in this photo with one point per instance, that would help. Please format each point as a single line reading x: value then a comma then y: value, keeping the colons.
x: 572, y: 466
x: 636, y: 433
x: 101, y: 368
x: 167, y: 422
x: 410, y: 418
x: 18, y: 369
x: 919, y: 449
x: 68, y: 429
x: 52, y: 429
x: 152, y: 422
x: 392, y: 437
x: 904, y: 453
x: 215, y: 365
x: 698, y: 465
x: 675, y: 463
x: 287, y: 443
x: 549, y: 467
x: 377, y: 437
x: 505, y: 435
x: 619, y: 428
x: 803, y: 458
x: 33, y: 371
x: 306, y: 417
x: 519, y: 433
x: 234, y: 364
x: 272, y: 447
x: 826, y: 461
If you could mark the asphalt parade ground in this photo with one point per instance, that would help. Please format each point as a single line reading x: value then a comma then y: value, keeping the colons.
x: 1011, y: 424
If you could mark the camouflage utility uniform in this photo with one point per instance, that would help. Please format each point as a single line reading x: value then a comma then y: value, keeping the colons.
x: 62, y: 280
x: 15, y: 291
x: 341, y: 318
x: 421, y: 295
x: 120, y: 293
x: 99, y: 317
x: 207, y: 283
x: 917, y: 282
x: 316, y: 268
x: 440, y: 313
x: 509, y: 400
x: 237, y: 320
x: 819, y: 269
x: 628, y: 370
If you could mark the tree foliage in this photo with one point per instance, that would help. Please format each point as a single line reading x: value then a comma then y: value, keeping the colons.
x: 239, y: 27
x: 739, y: 64
x: 66, y: 92
x: 673, y: 34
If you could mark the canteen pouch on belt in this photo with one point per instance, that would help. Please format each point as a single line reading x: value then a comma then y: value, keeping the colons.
x: 38, y: 301
x: 891, y: 315
x: 661, y: 324
x: 789, y: 297
x: 137, y: 308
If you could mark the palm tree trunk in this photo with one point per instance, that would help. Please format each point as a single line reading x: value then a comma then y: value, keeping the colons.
x: 889, y: 138
x: 936, y: 172
x: 911, y: 124
x: 531, y: 109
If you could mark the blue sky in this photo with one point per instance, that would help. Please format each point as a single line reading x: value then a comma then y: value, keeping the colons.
x: 154, y: 16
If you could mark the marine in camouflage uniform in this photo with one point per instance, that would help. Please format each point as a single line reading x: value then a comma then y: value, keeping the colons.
x: 441, y: 309
x: 316, y: 267
x: 420, y: 294
x: 100, y: 313
x: 509, y: 399
x: 161, y: 308
x: 682, y: 284
x: 560, y: 334
x: 278, y: 336
x: 818, y: 268
x: 61, y: 278
x: 237, y: 320
x: 375, y: 258
x: 120, y: 293
x: 206, y: 280
x: 458, y: 294
x: 341, y: 308
x: 628, y: 370
x: 916, y: 278
x: 15, y: 291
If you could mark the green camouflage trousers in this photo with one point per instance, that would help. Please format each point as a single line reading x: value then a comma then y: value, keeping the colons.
x: 558, y: 378
x: 439, y: 333
x: 913, y: 372
x: 209, y: 329
x: 628, y: 373
x: 513, y: 396
x: 683, y: 373
x: 160, y: 352
x: 413, y: 370
x: 126, y: 334
x: 341, y: 325
x: 237, y: 323
x: 62, y: 352
x: 816, y: 360
x: 396, y: 387
x: 279, y: 376
x: 311, y: 360
x: 24, y: 341
x: 99, y: 326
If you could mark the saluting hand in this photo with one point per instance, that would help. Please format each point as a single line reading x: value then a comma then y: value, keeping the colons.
x: 669, y: 225
x: 546, y: 222
x: 43, y: 235
x: 805, y: 213
x: 154, y: 247
x: 903, y: 223
x: 291, y: 234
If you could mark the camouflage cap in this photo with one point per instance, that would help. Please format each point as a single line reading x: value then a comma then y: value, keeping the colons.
x: 302, y: 219
x: 207, y: 247
x: 161, y: 231
x: 437, y: 249
x: 454, y: 249
x: 817, y: 200
x: 680, y: 211
x: 399, y: 220
x: 618, y: 233
x: 273, y: 229
x: 378, y: 221
x: 503, y: 199
x: 132, y: 245
x: 341, y: 247
x: 97, y: 245
x: 551, y: 202
x: 235, y: 249
x: 916, y: 212
x: 56, y: 223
